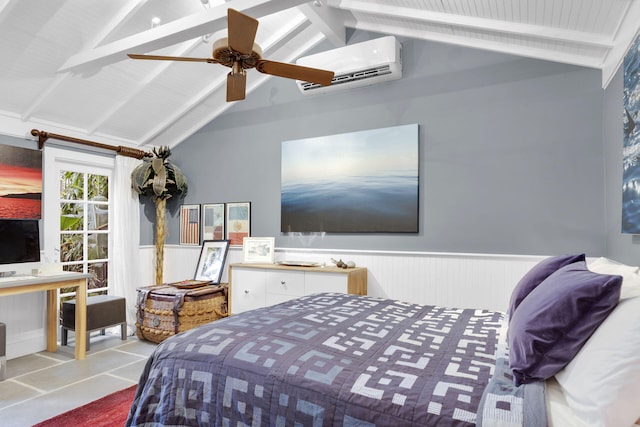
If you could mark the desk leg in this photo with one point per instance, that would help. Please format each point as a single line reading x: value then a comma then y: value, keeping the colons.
x: 52, y: 320
x: 81, y: 320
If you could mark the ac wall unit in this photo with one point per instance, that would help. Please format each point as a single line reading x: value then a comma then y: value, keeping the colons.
x: 361, y: 64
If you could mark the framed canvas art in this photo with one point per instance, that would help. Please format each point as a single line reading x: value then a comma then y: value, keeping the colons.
x: 631, y: 141
x: 359, y: 182
x: 20, y: 183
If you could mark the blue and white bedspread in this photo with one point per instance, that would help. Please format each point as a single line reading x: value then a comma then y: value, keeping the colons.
x: 505, y: 405
x: 325, y: 360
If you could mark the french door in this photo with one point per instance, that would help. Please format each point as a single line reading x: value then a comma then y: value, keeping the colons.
x: 77, y: 209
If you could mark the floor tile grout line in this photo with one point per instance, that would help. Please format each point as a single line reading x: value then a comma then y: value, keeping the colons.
x: 117, y: 347
x: 57, y: 390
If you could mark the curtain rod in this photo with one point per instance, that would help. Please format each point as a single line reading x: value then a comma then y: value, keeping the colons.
x: 123, y: 151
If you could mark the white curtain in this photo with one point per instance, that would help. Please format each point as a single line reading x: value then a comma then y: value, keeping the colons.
x: 126, y: 237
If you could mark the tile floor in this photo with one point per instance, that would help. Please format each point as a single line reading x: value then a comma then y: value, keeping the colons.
x: 42, y: 385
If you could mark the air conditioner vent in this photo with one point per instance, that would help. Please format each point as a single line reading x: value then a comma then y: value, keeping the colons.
x: 361, y: 64
x: 350, y: 77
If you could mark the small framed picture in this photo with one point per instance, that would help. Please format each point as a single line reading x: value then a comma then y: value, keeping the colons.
x: 238, y: 221
x: 190, y: 224
x: 258, y: 249
x: 211, y: 262
x: 213, y: 221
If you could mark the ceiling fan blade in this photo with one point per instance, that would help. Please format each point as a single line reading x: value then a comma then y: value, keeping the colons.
x: 242, y: 31
x: 298, y: 72
x: 236, y: 86
x: 170, y: 58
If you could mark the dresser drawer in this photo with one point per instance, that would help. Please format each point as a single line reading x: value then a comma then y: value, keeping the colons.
x: 249, y: 290
x: 258, y: 285
x: 286, y: 283
x: 325, y: 282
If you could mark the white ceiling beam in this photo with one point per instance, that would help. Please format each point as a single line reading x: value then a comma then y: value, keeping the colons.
x: 218, y: 83
x: 517, y: 50
x: 328, y: 21
x: 628, y: 30
x: 189, y: 27
x: 482, y: 24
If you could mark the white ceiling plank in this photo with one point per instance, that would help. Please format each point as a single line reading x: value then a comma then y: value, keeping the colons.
x: 628, y: 30
x: 189, y: 27
x: 107, y: 29
x: 514, y: 28
x: 148, y: 80
x: 328, y: 20
x: 5, y: 8
x: 476, y: 43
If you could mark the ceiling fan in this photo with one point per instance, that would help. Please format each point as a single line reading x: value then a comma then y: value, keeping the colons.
x: 239, y: 52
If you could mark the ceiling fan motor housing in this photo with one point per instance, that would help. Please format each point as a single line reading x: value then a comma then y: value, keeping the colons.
x: 224, y: 55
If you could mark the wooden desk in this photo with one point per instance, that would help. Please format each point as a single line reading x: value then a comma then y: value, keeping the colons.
x: 51, y: 284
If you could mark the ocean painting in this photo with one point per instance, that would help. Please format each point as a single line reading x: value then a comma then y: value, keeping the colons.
x: 359, y: 182
x: 631, y: 141
x: 20, y: 183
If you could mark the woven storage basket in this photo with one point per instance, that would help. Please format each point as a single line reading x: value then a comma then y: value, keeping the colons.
x: 165, y: 310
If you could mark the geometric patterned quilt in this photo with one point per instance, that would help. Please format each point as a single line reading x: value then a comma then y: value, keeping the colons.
x: 324, y: 360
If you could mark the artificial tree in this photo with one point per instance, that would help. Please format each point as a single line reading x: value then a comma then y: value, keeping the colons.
x: 160, y: 180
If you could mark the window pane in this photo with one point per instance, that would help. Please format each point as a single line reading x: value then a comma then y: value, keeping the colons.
x: 98, y: 187
x: 77, y: 268
x: 98, y: 246
x: 71, y: 247
x: 71, y: 216
x: 71, y: 185
x: 99, y: 280
x: 98, y: 217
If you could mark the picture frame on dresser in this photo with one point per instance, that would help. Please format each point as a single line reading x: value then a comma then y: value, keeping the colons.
x: 258, y: 250
x: 213, y: 255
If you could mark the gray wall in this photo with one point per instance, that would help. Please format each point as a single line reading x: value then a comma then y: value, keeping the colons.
x: 511, y: 154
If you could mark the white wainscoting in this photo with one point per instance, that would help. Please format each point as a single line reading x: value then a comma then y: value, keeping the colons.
x: 446, y: 279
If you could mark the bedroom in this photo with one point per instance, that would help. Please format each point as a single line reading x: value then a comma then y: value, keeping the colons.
x: 489, y: 123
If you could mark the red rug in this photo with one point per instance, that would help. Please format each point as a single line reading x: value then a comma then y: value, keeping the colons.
x: 111, y: 410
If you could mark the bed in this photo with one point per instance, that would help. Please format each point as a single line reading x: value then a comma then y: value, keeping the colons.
x: 336, y: 359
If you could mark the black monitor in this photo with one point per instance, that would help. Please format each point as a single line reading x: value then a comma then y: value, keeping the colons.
x: 19, y: 241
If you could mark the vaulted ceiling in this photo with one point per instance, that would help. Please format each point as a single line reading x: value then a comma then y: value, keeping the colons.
x: 65, y: 68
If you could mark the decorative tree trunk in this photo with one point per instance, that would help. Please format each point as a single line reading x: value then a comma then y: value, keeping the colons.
x: 161, y: 228
x: 159, y: 179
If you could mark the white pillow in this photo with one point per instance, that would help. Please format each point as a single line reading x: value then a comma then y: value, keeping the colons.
x: 602, y: 382
x: 630, y: 275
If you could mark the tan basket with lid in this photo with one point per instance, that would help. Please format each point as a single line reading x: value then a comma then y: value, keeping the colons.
x: 165, y: 310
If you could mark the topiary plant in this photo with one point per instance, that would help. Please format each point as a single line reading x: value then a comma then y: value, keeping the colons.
x: 160, y: 180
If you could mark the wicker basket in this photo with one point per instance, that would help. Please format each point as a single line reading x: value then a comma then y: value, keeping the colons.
x: 165, y: 310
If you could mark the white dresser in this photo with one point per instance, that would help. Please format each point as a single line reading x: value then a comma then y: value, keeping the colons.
x: 259, y: 285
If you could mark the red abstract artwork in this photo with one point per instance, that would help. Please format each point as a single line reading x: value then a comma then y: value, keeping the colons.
x: 20, y: 183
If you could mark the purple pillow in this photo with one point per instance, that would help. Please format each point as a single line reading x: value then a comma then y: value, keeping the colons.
x: 556, y: 319
x: 536, y: 275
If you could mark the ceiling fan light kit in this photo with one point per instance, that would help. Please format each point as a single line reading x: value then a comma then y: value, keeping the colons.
x: 239, y: 52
